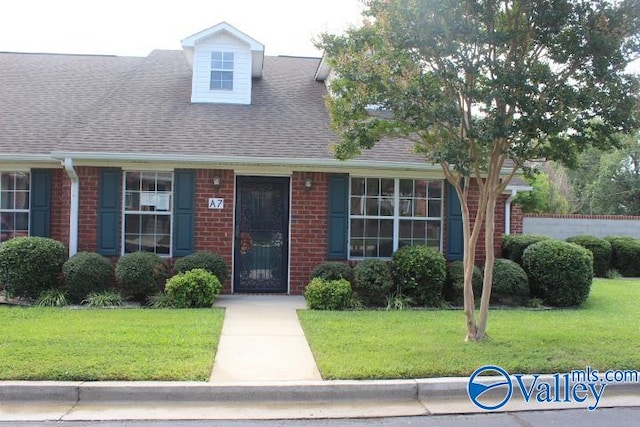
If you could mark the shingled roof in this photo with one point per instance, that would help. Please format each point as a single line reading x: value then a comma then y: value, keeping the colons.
x: 102, y: 106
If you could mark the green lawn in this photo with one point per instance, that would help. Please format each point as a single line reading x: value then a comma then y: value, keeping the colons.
x: 111, y: 344
x: 604, y: 334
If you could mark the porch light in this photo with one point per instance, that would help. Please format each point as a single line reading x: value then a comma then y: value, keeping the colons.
x: 216, y: 181
x: 307, y: 183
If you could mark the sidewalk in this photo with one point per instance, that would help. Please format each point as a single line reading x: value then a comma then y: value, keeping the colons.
x: 264, y: 369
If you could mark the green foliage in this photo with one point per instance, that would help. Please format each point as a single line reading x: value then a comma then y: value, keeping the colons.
x: 625, y: 255
x: 103, y: 299
x: 87, y: 272
x: 52, y: 298
x: 514, y: 245
x: 397, y: 301
x: 333, y: 271
x: 372, y: 281
x: 160, y: 300
x: 419, y: 272
x: 510, y: 284
x: 322, y: 294
x: 613, y: 274
x: 453, y: 289
x: 559, y: 272
x: 209, y: 261
x: 31, y: 265
x: 141, y: 274
x: 601, y: 250
x: 543, y: 198
x: 194, y: 289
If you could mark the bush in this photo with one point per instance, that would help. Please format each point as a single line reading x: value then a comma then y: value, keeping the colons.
x: 213, y: 263
x: 514, y: 245
x: 625, y: 255
x: 372, y: 282
x: 560, y: 273
x: 419, y: 272
x: 85, y: 273
x: 141, y: 274
x: 31, y: 265
x: 103, y: 299
x: 322, y: 294
x: 601, y: 250
x: 52, y: 298
x: 510, y: 285
x: 333, y: 271
x: 453, y: 289
x: 194, y: 289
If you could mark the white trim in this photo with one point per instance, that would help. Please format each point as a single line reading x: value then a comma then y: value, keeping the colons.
x: 74, y: 211
x: 507, y: 204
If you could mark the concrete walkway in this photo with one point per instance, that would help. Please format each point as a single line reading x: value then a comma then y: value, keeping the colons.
x: 262, y: 340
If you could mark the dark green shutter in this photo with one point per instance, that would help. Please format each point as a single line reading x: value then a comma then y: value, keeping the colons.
x: 40, y: 203
x: 184, y: 206
x: 338, y: 226
x: 455, y: 238
x: 109, y: 212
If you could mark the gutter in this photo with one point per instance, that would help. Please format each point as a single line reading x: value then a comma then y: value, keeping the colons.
x: 75, y: 206
x: 507, y: 205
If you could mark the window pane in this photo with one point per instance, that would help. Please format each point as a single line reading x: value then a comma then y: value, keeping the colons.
x: 372, y: 206
x: 420, y: 188
x: 371, y: 227
x: 7, y: 200
x: 357, y: 205
x: 420, y: 208
x: 386, y: 228
x: 132, y: 180
x: 228, y: 56
x: 357, y: 186
x: 433, y: 230
x: 387, y: 187
x: 385, y: 248
x: 406, y: 207
x: 357, y: 248
x: 373, y: 186
x: 406, y: 187
x: 357, y: 228
x: 435, y: 208
x: 435, y: 189
x: 217, y: 56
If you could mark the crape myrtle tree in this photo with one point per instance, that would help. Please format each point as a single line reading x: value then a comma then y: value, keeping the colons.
x: 482, y: 88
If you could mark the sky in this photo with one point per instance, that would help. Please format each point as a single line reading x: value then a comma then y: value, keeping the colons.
x: 136, y: 27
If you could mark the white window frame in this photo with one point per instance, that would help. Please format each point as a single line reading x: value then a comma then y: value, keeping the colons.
x: 13, y: 192
x: 126, y: 211
x: 396, y: 217
x: 223, y: 69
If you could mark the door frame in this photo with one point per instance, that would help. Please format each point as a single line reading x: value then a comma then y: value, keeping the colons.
x: 236, y: 184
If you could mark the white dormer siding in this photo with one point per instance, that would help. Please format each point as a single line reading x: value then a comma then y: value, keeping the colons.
x: 201, y: 84
x: 233, y: 45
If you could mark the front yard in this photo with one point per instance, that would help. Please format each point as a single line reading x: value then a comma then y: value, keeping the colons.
x: 604, y: 334
x: 111, y: 344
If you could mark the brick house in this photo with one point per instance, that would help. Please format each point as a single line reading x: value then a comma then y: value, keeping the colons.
x: 217, y: 147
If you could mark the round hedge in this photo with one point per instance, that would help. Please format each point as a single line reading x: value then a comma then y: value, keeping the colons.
x: 514, y: 245
x: 372, y: 282
x: 333, y: 271
x: 559, y: 272
x: 510, y: 285
x: 31, y: 265
x: 321, y: 294
x: 453, y: 289
x: 141, y: 274
x: 209, y: 261
x: 195, y: 288
x: 85, y: 273
x: 601, y: 250
x: 625, y: 255
x: 419, y: 272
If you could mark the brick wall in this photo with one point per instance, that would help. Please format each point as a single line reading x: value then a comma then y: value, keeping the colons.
x: 308, y: 227
x: 88, y: 215
x: 60, y: 206
x: 517, y: 217
x: 214, y: 227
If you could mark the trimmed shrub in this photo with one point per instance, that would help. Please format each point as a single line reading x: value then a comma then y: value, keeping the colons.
x: 514, y: 245
x: 141, y: 274
x: 372, y: 282
x: 419, y: 272
x: 322, y: 294
x: 625, y: 255
x: 560, y: 273
x: 85, y: 273
x: 31, y: 265
x: 453, y: 289
x: 194, y: 289
x: 333, y: 271
x: 601, y: 250
x: 510, y: 285
x: 213, y: 263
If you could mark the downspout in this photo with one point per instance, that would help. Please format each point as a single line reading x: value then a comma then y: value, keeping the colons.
x: 507, y: 211
x: 75, y: 206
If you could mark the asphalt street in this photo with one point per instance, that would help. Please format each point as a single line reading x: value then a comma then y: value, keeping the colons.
x: 620, y: 417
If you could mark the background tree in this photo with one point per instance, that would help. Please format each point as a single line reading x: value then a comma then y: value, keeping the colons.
x: 551, y: 191
x: 482, y: 87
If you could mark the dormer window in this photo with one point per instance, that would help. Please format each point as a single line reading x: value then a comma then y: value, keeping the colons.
x: 221, y: 70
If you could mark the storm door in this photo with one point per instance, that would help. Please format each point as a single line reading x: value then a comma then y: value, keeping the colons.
x: 261, y: 257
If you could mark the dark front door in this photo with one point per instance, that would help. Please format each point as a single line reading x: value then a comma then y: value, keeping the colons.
x: 261, y: 235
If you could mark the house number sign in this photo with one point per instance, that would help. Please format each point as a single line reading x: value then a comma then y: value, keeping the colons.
x: 216, y: 203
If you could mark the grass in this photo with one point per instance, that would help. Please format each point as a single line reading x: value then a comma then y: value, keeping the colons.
x: 603, y: 334
x: 116, y: 344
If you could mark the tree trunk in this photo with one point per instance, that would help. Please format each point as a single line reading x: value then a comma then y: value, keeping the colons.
x: 487, y: 282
